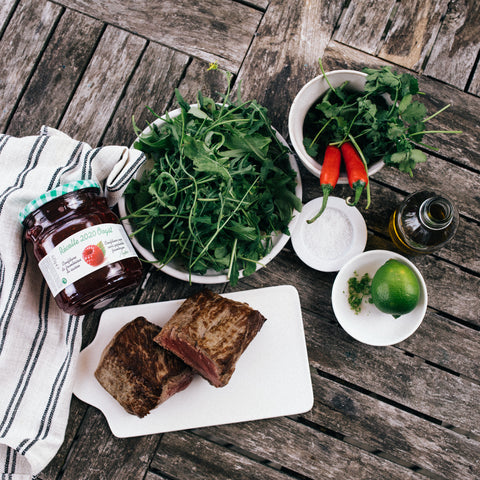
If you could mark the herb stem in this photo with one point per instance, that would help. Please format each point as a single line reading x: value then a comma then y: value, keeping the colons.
x: 436, y: 113
x: 220, y: 228
x: 435, y: 131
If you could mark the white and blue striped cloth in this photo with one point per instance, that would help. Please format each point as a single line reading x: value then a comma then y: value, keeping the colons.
x: 39, y: 343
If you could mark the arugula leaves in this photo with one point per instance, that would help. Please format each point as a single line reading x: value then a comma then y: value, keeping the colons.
x: 384, y: 119
x: 220, y: 187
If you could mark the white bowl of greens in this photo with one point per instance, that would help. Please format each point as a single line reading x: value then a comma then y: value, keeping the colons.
x: 216, y: 198
x: 304, y: 123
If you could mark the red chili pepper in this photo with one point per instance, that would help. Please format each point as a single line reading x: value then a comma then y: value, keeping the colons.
x: 356, y: 172
x: 329, y: 175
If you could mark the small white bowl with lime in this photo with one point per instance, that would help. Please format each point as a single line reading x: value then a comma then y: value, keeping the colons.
x: 403, y: 310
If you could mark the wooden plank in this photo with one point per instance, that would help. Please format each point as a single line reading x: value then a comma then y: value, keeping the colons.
x: 77, y: 412
x: 363, y: 24
x: 446, y: 344
x: 474, y: 87
x: 102, y: 85
x: 457, y: 44
x: 211, y: 29
x: 19, y: 51
x: 305, y: 451
x: 212, y: 83
x: 412, y: 33
x: 112, y: 458
x: 388, y: 372
x: 57, y: 74
x: 392, y: 432
x: 186, y: 455
x: 6, y: 9
x: 159, y: 72
x: 285, y: 52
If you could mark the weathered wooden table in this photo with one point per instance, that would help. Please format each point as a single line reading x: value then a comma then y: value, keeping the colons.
x: 406, y: 411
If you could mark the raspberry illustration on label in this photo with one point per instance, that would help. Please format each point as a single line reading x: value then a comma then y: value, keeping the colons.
x: 94, y: 254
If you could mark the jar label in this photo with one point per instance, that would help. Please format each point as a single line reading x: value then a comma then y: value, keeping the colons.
x: 84, y: 252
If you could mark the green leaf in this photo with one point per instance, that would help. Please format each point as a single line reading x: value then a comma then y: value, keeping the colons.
x: 198, y: 113
x: 404, y: 103
x: 418, y: 156
x: 414, y: 112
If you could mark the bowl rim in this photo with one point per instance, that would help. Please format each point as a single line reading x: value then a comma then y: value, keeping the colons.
x: 297, y: 114
x: 213, y: 277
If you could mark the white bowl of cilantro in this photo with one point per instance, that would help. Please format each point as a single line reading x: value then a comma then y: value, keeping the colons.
x: 216, y: 198
x: 316, y: 116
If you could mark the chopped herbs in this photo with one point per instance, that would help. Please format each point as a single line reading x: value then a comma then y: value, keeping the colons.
x: 358, y: 290
x: 220, y: 187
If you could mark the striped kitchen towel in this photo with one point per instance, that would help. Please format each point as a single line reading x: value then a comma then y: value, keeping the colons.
x: 39, y: 343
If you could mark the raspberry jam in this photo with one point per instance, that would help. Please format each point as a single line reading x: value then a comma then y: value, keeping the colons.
x: 81, y: 247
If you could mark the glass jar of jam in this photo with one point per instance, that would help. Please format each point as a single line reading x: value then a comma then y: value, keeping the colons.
x: 81, y: 247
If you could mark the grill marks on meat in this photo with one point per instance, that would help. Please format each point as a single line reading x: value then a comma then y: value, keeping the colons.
x: 210, y: 333
x: 138, y: 372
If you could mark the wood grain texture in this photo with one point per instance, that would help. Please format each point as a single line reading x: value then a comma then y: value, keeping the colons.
x: 457, y: 44
x: 413, y: 32
x: 20, y: 51
x: 57, y: 74
x: 179, y: 454
x: 213, y: 30
x: 284, y: 53
x: 158, y: 73
x: 102, y: 85
x: 405, y: 380
x: 474, y: 87
x: 415, y: 442
x: 6, y: 10
x: 363, y: 24
x: 77, y: 414
x: 198, y: 77
x: 106, y: 457
x: 305, y: 450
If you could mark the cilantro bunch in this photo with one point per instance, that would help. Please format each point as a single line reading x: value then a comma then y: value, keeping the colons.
x: 384, y: 120
x: 220, y: 187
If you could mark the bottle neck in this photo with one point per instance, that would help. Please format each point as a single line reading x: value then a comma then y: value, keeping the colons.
x: 436, y: 213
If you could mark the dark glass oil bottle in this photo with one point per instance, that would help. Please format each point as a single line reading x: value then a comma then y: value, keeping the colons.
x: 423, y: 223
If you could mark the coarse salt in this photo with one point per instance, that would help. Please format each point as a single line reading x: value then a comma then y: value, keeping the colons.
x: 330, y: 236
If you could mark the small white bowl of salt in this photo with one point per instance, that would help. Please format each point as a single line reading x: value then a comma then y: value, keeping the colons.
x: 335, y: 237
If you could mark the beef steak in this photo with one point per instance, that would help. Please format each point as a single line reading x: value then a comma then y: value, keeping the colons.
x: 210, y: 332
x: 137, y: 371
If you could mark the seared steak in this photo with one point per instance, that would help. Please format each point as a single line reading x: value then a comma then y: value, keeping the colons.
x: 137, y: 371
x: 209, y: 333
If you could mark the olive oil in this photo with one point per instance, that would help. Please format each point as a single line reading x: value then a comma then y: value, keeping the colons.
x: 423, y: 223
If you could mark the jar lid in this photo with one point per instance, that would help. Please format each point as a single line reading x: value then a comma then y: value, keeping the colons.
x: 55, y: 193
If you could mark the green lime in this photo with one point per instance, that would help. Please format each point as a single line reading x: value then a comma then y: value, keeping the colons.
x: 395, y: 288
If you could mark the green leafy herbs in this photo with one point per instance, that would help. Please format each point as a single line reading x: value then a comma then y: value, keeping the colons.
x: 358, y: 291
x: 219, y: 188
x: 384, y: 120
